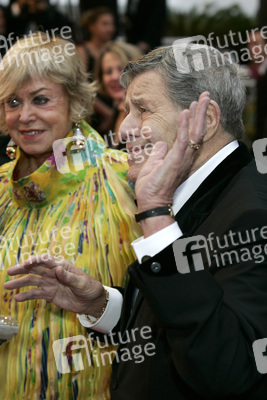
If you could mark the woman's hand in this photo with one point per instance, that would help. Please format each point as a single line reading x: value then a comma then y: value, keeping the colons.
x: 58, y: 282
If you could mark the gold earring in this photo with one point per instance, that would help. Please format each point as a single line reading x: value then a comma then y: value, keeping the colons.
x: 11, y: 149
x: 79, y: 142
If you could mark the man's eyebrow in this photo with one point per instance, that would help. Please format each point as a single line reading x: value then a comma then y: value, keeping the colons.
x: 138, y: 101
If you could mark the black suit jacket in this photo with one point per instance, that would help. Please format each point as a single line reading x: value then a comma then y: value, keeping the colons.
x: 200, y: 325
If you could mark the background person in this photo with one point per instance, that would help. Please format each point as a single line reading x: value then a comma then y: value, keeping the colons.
x: 203, y: 316
x: 86, y: 5
x: 109, y: 103
x: 99, y: 28
x: 84, y: 214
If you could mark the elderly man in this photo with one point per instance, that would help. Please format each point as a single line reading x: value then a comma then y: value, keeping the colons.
x: 193, y: 322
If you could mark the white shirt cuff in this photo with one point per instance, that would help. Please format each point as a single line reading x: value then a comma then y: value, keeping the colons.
x: 157, y: 242
x: 111, y: 315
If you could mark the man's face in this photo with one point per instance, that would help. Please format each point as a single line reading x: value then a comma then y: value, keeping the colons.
x: 150, y: 117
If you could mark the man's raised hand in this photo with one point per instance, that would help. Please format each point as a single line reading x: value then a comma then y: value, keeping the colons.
x: 165, y: 170
x: 59, y: 282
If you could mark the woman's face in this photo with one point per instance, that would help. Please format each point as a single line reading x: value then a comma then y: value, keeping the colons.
x: 103, y: 28
x: 111, y: 72
x: 36, y: 115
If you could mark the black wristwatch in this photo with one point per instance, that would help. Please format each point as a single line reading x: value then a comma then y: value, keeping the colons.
x: 154, y: 212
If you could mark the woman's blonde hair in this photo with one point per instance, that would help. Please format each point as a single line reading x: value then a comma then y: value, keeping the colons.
x: 39, y: 56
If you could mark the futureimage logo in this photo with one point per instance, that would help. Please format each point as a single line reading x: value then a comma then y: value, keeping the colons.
x: 260, y: 154
x: 260, y: 353
x: 188, y: 57
x: 56, y: 243
x: 76, y: 353
x: 197, y: 252
x: 190, y: 253
x: 33, y: 56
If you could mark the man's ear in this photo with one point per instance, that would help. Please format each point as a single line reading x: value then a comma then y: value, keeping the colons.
x: 213, y: 120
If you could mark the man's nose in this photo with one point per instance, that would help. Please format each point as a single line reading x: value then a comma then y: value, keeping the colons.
x: 129, y: 128
x: 26, y: 114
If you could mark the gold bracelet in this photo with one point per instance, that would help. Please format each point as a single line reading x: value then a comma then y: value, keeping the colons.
x: 102, y: 311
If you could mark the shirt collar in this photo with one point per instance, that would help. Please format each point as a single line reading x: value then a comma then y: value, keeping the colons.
x: 188, y: 187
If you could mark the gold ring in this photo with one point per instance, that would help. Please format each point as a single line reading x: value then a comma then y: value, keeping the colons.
x: 193, y: 145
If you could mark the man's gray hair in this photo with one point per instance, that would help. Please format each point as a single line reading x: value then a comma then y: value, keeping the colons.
x: 190, y: 69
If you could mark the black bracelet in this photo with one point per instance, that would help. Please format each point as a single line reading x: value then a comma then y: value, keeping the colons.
x: 154, y: 212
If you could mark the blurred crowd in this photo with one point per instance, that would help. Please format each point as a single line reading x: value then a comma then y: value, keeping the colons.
x: 106, y: 42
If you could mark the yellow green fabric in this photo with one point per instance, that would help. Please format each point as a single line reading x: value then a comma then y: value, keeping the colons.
x: 84, y: 215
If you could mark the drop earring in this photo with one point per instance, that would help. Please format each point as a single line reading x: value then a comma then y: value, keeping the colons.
x: 11, y: 149
x: 79, y: 139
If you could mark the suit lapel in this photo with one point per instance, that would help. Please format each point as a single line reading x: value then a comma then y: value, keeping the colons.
x: 205, y: 198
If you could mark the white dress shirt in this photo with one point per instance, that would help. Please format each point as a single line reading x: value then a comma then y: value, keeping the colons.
x: 157, y: 242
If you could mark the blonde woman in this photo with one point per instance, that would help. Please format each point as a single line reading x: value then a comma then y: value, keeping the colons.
x: 74, y: 203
